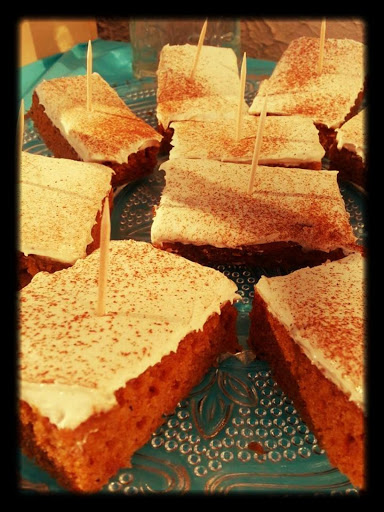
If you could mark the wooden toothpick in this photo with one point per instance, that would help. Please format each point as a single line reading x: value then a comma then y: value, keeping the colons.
x: 105, y: 236
x: 199, y: 45
x: 258, y: 140
x: 89, y: 76
x: 243, y: 75
x: 322, y: 42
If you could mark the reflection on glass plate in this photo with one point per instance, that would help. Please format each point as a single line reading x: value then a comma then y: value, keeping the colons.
x: 236, y: 432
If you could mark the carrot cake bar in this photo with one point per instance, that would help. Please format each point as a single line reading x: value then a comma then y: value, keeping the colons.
x: 293, y: 217
x: 212, y: 93
x: 291, y: 141
x: 310, y: 326
x: 110, y: 133
x: 330, y: 98
x: 94, y: 388
x: 348, y: 151
x: 60, y: 203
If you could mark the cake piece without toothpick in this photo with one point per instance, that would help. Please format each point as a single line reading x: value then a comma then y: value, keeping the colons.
x: 310, y: 326
x: 348, y: 153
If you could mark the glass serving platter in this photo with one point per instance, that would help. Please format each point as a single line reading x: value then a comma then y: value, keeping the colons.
x: 237, y: 432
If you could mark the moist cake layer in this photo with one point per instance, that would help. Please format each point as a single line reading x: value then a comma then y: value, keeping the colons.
x: 66, y: 349
x: 283, y: 255
x: 351, y: 135
x: 212, y: 93
x: 139, y: 164
x: 78, y: 458
x: 206, y: 202
x: 54, y: 194
x: 110, y: 131
x: 296, y: 88
x: 291, y: 141
x: 322, y: 309
x: 310, y: 326
x: 348, y: 151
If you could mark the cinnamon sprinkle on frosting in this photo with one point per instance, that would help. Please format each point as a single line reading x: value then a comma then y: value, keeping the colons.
x: 212, y: 92
x: 288, y: 141
x: 108, y: 132
x: 205, y: 202
x: 72, y: 361
x: 323, y: 309
x: 54, y: 194
x: 296, y: 88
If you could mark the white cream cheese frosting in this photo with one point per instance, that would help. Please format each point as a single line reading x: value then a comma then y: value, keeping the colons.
x: 59, y: 200
x: 291, y: 140
x: 72, y: 361
x: 110, y: 131
x: 206, y: 202
x: 212, y: 93
x: 323, y: 310
x: 351, y: 135
x: 296, y: 88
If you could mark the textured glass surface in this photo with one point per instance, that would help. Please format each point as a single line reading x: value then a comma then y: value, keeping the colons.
x: 236, y: 432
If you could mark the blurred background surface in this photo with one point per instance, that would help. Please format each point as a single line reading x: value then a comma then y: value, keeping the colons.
x: 261, y: 38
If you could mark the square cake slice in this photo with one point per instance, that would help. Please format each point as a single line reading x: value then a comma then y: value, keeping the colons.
x: 212, y: 93
x: 292, y: 218
x: 310, y: 326
x: 348, y: 152
x: 110, y: 133
x: 328, y: 98
x: 288, y: 141
x: 60, y: 203
x: 94, y: 388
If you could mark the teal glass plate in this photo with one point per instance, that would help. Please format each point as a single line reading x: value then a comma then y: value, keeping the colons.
x: 236, y: 432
